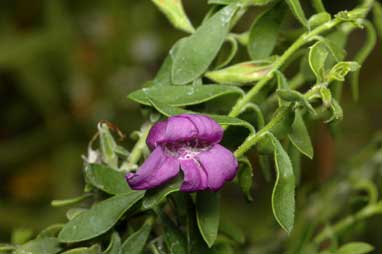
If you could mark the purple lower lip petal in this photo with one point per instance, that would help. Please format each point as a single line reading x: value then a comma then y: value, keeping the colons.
x: 188, y: 142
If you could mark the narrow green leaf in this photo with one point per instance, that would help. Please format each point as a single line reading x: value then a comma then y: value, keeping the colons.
x: 115, y: 245
x: 232, y: 52
x: 108, y: 145
x: 341, y: 69
x: 157, y: 196
x: 106, y: 179
x: 337, y: 112
x: 5, y: 248
x: 298, y: 12
x: 182, y: 95
x: 299, y: 136
x: 264, y: 32
x: 221, y: 119
x: 208, y: 215
x: 174, y: 238
x: 295, y: 158
x: 99, y: 219
x: 326, y: 96
x: 95, y: 249
x: 318, y: 19
x: 174, y: 11
x: 283, y: 195
x: 355, y: 248
x: 241, y: 73
x: 48, y: 245
x: 246, y: 2
x: 163, y: 77
x: 294, y: 96
x: 21, y: 235
x: 282, y: 83
x: 51, y: 231
x: 318, y: 6
x: 71, y: 201
x: 197, y: 52
x: 136, y: 242
x: 362, y: 54
x: 317, y: 57
x: 377, y: 13
x: 245, y: 177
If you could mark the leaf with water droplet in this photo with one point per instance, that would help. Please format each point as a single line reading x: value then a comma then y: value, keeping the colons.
x: 197, y: 52
x: 182, y: 95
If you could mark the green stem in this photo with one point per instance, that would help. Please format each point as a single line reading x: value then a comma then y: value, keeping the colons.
x: 367, y: 212
x: 302, y: 40
x: 71, y: 201
x: 136, y: 153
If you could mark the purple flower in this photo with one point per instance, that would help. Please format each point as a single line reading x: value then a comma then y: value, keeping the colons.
x: 189, y: 143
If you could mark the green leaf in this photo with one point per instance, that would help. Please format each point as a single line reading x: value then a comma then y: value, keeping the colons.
x: 326, y: 96
x: 341, y: 69
x: 299, y: 136
x: 355, y: 248
x: 21, y: 235
x: 108, y: 145
x: 295, y: 158
x: 99, y: 219
x: 197, y: 52
x: 221, y: 119
x: 318, y: 6
x: 136, y: 242
x: 317, y: 57
x: 173, y: 9
x: 337, y: 112
x: 294, y: 96
x: 264, y: 32
x: 208, y: 215
x: 174, y: 238
x: 106, y: 179
x: 241, y: 73
x: 282, y: 83
x: 51, y: 231
x: 318, y: 19
x: 74, y: 212
x: 246, y: 2
x: 48, y: 245
x: 95, y: 249
x: 71, y: 201
x: 232, y: 231
x: 283, y: 195
x: 115, y: 245
x: 163, y: 77
x: 182, y: 95
x: 245, y: 177
x: 377, y: 13
x: 232, y: 52
x: 362, y: 54
x: 154, y: 197
x: 298, y: 12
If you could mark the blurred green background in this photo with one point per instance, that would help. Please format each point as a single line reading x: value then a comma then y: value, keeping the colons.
x: 65, y: 65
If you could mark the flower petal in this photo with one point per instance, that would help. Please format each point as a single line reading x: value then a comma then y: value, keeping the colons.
x: 157, y: 169
x: 185, y: 127
x: 208, y: 130
x: 156, y: 134
x: 220, y: 165
x: 195, y: 178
